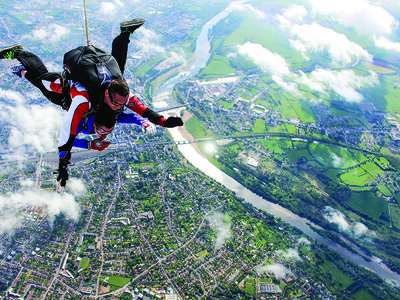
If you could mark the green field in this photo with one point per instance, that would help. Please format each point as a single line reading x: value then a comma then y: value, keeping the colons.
x: 202, y: 254
x: 295, y: 154
x: 363, y: 295
x: 195, y: 127
x: 356, y: 177
x: 116, y: 282
x: 382, y: 162
x: 373, y: 169
x: 392, y: 96
x: 342, y: 281
x: 327, y: 266
x: 265, y: 280
x: 84, y: 263
x: 369, y: 204
x: 332, y: 156
x: 395, y: 214
x: 304, y: 250
x: 226, y: 104
x: 259, y: 126
x: 250, y: 286
x: 218, y: 67
x: 384, y: 190
x: 333, y: 174
x: 275, y: 146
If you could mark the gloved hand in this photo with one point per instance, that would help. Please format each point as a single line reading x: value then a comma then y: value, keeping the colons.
x: 98, y: 145
x: 148, y: 128
x: 173, y: 122
x: 62, y: 171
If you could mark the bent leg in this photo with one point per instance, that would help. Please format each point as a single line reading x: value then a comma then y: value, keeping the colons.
x: 33, y: 64
x: 56, y: 98
x: 36, y: 71
x: 120, y: 49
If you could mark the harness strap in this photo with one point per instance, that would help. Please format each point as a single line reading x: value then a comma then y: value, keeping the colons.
x: 90, y: 113
x: 66, y: 91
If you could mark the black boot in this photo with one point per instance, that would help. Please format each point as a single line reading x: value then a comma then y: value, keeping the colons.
x: 10, y: 51
x: 131, y: 26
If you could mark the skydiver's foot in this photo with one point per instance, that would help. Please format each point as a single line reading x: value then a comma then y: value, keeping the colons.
x: 131, y: 26
x: 18, y: 70
x: 10, y: 51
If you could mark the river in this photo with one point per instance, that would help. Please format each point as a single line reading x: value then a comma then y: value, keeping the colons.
x: 163, y: 98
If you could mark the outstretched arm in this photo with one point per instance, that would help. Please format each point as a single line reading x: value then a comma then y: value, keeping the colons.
x: 147, y: 127
x: 135, y: 105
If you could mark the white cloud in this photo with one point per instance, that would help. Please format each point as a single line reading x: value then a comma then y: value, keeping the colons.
x: 286, y: 85
x: 34, y: 126
x: 240, y: 6
x: 336, y: 217
x: 52, y: 33
x: 221, y: 224
x: 149, y: 41
x: 304, y: 241
x: 360, y: 229
x: 278, y: 270
x: 12, y: 205
x: 361, y: 15
x: 337, y: 160
x: 178, y: 57
x: 316, y: 38
x: 387, y: 44
x: 27, y: 184
x: 268, y: 61
x: 110, y: 8
x: 76, y: 186
x: 289, y: 254
x: 345, y: 82
x: 295, y: 13
x: 52, y: 67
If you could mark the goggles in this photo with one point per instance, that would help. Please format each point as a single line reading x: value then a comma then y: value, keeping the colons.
x: 113, y: 102
x: 101, y: 131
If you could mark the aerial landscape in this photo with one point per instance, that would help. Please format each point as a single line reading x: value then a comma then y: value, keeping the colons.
x: 283, y: 183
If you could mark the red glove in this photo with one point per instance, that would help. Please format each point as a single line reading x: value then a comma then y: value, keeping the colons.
x: 98, y: 145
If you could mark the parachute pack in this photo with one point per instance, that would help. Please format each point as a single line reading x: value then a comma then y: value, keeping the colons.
x: 93, y: 68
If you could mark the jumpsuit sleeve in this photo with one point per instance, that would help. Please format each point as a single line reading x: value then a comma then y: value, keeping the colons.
x: 81, y: 143
x: 79, y: 106
x: 124, y: 118
x: 136, y: 106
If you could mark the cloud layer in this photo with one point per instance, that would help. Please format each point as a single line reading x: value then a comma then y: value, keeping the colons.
x: 361, y: 15
x: 307, y: 35
x: 34, y: 127
x: 241, y: 6
x: 345, y: 83
x: 316, y: 38
x: 13, y: 206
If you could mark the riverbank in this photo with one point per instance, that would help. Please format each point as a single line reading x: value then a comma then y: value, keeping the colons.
x: 186, y: 134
